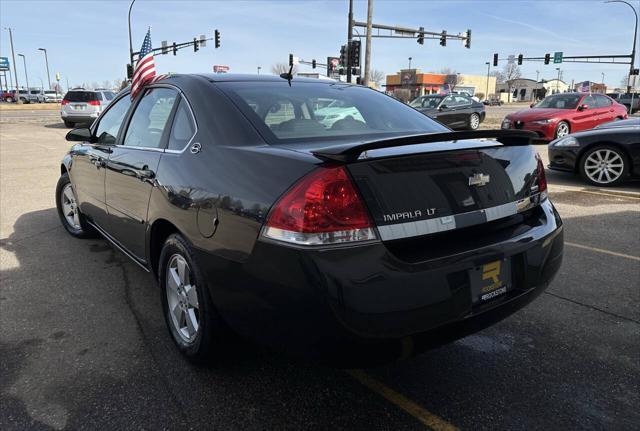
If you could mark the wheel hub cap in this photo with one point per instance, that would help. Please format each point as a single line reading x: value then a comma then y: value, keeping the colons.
x: 604, y: 166
x: 182, y: 299
x: 69, y: 207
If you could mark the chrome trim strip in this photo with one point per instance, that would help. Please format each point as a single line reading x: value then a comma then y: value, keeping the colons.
x: 111, y: 240
x: 446, y: 223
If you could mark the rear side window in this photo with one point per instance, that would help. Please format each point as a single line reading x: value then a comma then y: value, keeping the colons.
x: 307, y: 110
x: 601, y: 101
x: 80, y: 96
x: 150, y: 118
x: 183, y: 128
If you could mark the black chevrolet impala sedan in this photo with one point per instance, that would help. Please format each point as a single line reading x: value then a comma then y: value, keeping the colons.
x: 371, y: 237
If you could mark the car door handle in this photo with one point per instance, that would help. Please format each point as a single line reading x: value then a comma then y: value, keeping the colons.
x: 98, y: 162
x: 146, y: 174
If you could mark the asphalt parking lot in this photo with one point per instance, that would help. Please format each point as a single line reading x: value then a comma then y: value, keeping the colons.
x: 83, y: 344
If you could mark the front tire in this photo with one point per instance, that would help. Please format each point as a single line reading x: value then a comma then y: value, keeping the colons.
x: 474, y: 121
x: 69, y: 212
x: 562, y: 129
x: 191, y: 318
x: 604, y: 165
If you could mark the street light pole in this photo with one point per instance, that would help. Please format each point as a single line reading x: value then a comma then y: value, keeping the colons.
x: 558, y: 80
x: 15, y: 67
x: 635, y: 36
x: 409, y: 63
x: 259, y: 67
x: 46, y: 61
x: 602, y: 73
x: 537, y: 75
x: 349, y: 40
x: 130, y: 42
x: 26, y: 77
x: 486, y: 96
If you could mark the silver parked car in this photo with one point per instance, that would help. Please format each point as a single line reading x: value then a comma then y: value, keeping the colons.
x: 84, y: 106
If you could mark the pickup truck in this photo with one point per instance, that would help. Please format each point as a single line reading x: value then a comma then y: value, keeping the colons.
x: 630, y: 100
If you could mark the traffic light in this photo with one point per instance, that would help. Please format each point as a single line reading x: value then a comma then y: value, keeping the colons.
x: 443, y: 38
x: 520, y: 60
x: 290, y: 59
x: 175, y: 49
x: 343, y: 55
x: 421, y: 36
x: 547, y: 58
x: 313, y: 63
x: 354, y: 54
x: 495, y: 60
x: 217, y: 38
x: 129, y: 72
x: 195, y: 44
x: 467, y: 42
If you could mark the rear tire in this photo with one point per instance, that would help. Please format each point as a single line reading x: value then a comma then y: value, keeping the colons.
x: 189, y: 313
x: 69, y: 212
x: 474, y: 121
x: 604, y: 165
x: 9, y: 99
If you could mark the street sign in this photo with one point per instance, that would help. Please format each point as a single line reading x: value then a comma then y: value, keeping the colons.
x: 4, y: 63
x: 557, y: 57
x: 220, y: 69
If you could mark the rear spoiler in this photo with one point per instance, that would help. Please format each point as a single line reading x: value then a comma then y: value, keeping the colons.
x: 350, y: 152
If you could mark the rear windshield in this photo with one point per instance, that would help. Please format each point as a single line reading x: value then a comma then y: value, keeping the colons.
x: 80, y: 96
x: 49, y: 92
x: 560, y: 101
x: 316, y: 111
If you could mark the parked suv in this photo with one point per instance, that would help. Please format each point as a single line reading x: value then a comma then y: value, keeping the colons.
x: 52, y: 96
x: 629, y: 100
x: 36, y: 95
x: 84, y: 106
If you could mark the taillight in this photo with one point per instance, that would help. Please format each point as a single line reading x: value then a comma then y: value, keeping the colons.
x: 542, y: 179
x: 323, y: 208
x: 94, y: 103
x: 65, y: 102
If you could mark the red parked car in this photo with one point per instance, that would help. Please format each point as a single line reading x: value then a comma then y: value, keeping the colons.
x: 560, y: 114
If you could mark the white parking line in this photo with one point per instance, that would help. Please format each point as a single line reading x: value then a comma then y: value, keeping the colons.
x: 600, y: 250
x: 623, y: 195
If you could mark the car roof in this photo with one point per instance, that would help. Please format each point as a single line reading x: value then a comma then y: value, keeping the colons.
x: 246, y: 77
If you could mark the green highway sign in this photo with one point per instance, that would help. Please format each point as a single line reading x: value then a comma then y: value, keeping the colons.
x: 557, y: 57
x: 4, y: 63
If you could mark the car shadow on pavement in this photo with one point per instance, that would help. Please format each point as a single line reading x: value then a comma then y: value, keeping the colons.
x: 56, y: 126
x: 84, y: 345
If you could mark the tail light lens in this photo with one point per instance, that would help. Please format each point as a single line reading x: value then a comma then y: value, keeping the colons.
x: 65, y: 102
x: 94, y: 103
x: 323, y: 208
x: 542, y: 179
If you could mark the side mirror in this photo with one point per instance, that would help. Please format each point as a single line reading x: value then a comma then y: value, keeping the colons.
x: 443, y: 106
x: 82, y: 134
x: 583, y: 107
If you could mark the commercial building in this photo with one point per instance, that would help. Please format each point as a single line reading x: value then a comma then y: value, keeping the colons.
x: 590, y: 87
x: 528, y: 90
x: 411, y: 83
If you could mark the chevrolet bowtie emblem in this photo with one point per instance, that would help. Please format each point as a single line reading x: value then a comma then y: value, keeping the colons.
x: 479, y: 180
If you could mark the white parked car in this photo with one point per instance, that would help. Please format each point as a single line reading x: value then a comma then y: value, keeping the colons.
x: 51, y: 96
x: 336, y: 111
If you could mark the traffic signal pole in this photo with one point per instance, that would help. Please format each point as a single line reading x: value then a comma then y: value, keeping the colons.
x: 367, y: 51
x: 349, y: 40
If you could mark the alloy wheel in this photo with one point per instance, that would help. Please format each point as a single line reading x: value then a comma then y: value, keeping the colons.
x: 604, y: 166
x: 474, y: 121
x: 69, y: 207
x: 182, y: 299
x: 563, y: 130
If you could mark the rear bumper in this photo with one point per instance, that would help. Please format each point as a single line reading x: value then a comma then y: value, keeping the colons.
x: 364, y: 304
x: 79, y: 117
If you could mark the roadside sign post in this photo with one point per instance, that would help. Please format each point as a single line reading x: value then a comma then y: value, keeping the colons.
x: 557, y: 57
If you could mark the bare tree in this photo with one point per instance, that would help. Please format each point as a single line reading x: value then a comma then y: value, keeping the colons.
x: 106, y: 84
x: 279, y: 68
x: 624, y: 81
x: 376, y: 76
x: 498, y: 75
x: 453, y: 79
x: 511, y: 72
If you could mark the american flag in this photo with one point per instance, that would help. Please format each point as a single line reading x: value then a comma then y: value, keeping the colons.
x: 145, y: 68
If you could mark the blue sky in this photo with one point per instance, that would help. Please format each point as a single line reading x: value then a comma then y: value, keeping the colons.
x: 87, y: 40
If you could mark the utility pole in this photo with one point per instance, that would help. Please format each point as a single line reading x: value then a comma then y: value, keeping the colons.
x: 26, y: 77
x: 349, y: 40
x: 486, y: 96
x: 15, y: 68
x: 46, y: 60
x: 635, y: 36
x: 367, y: 52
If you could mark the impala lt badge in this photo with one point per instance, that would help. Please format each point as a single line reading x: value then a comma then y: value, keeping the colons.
x: 479, y: 180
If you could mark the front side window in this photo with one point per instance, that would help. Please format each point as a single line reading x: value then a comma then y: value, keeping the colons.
x: 308, y: 110
x: 183, y: 128
x: 589, y: 101
x: 150, y: 118
x: 110, y: 122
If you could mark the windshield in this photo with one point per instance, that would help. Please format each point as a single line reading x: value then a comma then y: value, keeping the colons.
x: 560, y: 101
x: 328, y: 111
